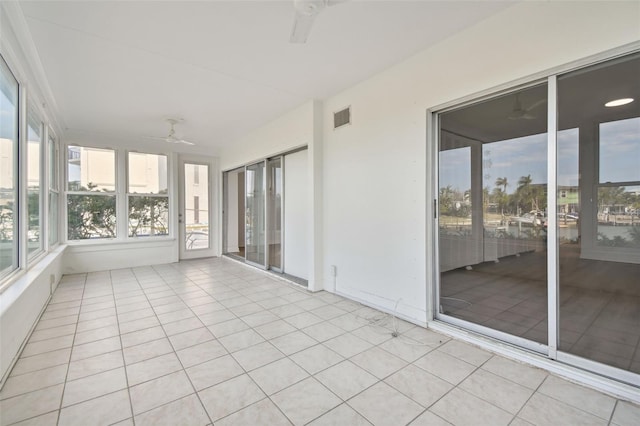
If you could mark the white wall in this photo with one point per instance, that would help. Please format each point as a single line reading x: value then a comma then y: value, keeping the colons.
x: 376, y: 196
x: 297, y: 229
x: 21, y: 305
x: 293, y: 129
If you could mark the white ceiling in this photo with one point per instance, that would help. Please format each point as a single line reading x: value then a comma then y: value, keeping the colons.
x: 226, y: 67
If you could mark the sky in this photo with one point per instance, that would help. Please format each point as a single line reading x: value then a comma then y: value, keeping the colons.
x: 514, y: 158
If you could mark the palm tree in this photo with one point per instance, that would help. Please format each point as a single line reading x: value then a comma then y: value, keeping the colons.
x: 524, y: 189
x: 503, y: 182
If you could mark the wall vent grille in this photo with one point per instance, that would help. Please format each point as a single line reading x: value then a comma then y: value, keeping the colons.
x: 342, y: 118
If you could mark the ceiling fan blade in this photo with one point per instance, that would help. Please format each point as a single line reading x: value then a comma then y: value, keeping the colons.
x: 182, y: 141
x: 301, y: 28
x: 536, y: 105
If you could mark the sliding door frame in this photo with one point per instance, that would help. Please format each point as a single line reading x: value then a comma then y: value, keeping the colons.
x: 550, y: 350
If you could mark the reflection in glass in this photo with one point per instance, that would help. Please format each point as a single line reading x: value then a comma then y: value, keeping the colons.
x: 8, y: 170
x: 234, y: 212
x: 275, y: 213
x: 255, y: 214
x: 599, y: 218
x: 196, y: 201
x: 53, y: 217
x: 34, y: 138
x: 492, y: 213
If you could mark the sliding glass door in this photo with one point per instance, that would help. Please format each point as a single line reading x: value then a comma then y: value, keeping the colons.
x: 492, y: 212
x: 274, y: 213
x: 255, y: 218
x: 539, y: 228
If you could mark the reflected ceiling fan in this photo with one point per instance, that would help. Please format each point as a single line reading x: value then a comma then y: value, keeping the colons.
x: 520, y: 113
x: 306, y: 12
x: 171, y: 136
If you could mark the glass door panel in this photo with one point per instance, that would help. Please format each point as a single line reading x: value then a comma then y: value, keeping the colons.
x: 599, y: 214
x: 255, y: 218
x: 492, y: 214
x: 233, y: 213
x: 274, y: 214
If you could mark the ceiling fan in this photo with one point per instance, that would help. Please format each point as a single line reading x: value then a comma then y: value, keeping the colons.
x: 520, y: 113
x: 171, y: 136
x: 306, y: 12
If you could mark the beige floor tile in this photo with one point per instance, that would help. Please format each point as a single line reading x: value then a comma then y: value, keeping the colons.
x: 96, y: 334
x: 462, y: 408
x: 182, y: 326
x: 328, y: 312
x: 241, y: 340
x: 259, y: 318
x: 274, y: 329
x: 379, y: 362
x: 89, y: 387
x: 426, y: 337
x: 99, y: 347
x: 226, y: 328
x: 184, y: 411
x: 522, y: 374
x: 466, y: 352
x: 142, y: 336
x: 316, y: 358
x: 383, y: 405
x: 323, y: 331
x: 47, y: 345
x: 405, y: 348
x: 190, y: 338
x: 543, y: 410
x: 230, y: 396
x: 30, y: 404
x: 217, y: 317
x: 348, y: 345
x: 442, y: 365
x: 340, y: 416
x: 147, y: 350
x: 256, y: 356
x: 305, y: 401
x: 263, y: 412
x: 348, y: 322
x: 56, y: 322
x: 626, y: 413
x: 278, y: 375
x: 213, y: 372
x: 500, y: 392
x: 84, y: 326
x: 17, y: 385
x: 417, y: 384
x: 373, y: 334
x: 200, y: 353
x: 157, y: 392
x: 38, y: 362
x: 49, y: 333
x: 94, y: 365
x: 578, y: 396
x: 429, y: 419
x: 346, y: 379
x: 49, y: 419
x: 293, y: 342
x: 140, y: 324
x: 303, y: 320
x: 105, y: 410
x: 153, y: 368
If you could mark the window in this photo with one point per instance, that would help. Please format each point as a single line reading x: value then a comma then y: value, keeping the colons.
x: 147, y: 194
x: 91, y: 200
x: 34, y: 193
x: 53, y: 190
x: 8, y: 170
x: 196, y: 209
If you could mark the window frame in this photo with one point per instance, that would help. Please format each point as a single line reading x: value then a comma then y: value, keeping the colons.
x: 34, y: 114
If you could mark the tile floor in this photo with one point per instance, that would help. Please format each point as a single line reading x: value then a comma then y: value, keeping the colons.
x: 214, y: 342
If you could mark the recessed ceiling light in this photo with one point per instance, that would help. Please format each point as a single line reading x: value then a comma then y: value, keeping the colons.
x: 618, y: 102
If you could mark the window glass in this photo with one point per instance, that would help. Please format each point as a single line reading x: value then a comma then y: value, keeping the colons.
x: 147, y: 173
x: 8, y: 170
x: 53, y: 191
x: 148, y: 200
x: 91, y: 209
x: 91, y: 169
x: 620, y: 151
x: 34, y: 198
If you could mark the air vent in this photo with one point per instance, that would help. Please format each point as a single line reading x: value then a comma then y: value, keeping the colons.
x: 342, y: 118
